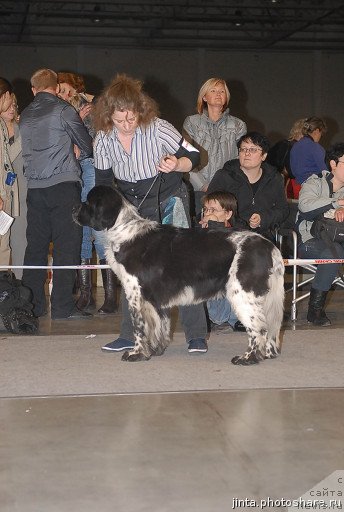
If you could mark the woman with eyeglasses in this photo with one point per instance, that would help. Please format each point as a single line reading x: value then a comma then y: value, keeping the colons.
x: 214, y: 131
x: 257, y: 186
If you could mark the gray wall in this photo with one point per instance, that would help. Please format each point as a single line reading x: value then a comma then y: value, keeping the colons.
x: 269, y: 90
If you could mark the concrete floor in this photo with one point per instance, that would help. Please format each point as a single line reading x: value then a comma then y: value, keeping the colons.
x: 170, y: 452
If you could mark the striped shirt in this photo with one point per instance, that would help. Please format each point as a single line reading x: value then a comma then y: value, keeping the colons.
x: 149, y: 145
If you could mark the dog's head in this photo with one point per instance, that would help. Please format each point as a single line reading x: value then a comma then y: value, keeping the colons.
x: 101, y: 209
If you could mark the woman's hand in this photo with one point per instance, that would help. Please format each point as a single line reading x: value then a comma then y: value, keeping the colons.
x: 339, y: 214
x: 207, y: 217
x: 168, y: 164
x: 85, y: 110
x: 254, y: 221
x: 1, y: 204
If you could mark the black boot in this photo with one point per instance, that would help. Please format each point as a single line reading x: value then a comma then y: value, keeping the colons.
x: 110, y: 288
x: 316, y: 314
x: 85, y: 284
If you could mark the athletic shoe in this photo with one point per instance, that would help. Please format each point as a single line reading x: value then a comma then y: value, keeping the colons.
x: 198, y: 345
x: 118, y: 345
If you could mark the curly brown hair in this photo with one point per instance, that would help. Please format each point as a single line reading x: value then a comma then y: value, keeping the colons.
x: 72, y: 79
x: 124, y: 93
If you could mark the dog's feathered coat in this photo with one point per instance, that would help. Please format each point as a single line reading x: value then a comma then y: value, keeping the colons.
x: 164, y: 266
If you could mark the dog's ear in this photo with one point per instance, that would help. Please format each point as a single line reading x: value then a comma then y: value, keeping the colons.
x: 106, y: 204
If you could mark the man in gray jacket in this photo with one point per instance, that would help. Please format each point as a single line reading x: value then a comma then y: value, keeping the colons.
x: 51, y: 131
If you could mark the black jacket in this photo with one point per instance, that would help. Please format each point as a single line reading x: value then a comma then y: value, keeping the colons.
x: 269, y: 200
x: 49, y: 128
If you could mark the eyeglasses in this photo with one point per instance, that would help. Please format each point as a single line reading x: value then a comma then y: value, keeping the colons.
x: 249, y: 150
x: 212, y: 210
x: 341, y: 161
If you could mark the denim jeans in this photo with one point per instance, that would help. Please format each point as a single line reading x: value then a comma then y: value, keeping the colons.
x: 220, y: 311
x: 89, y: 235
x: 319, y: 249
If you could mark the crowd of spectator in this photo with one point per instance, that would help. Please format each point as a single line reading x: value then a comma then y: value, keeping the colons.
x: 66, y: 141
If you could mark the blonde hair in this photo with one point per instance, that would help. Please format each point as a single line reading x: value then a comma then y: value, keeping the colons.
x: 44, y: 79
x: 296, y: 130
x: 124, y: 93
x: 205, y: 88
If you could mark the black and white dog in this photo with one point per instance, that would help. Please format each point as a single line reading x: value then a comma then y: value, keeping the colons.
x: 162, y: 266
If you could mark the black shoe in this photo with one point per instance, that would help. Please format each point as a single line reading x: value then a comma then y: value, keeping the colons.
x: 239, y: 327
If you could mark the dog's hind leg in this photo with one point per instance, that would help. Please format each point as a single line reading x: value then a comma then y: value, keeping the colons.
x: 273, y: 306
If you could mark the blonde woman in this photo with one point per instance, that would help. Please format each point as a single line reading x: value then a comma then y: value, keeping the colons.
x: 18, y: 228
x: 9, y: 201
x: 215, y: 133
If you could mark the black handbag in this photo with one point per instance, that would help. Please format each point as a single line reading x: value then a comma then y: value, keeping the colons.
x: 329, y: 230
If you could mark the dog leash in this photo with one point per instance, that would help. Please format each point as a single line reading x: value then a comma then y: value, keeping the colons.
x: 158, y: 176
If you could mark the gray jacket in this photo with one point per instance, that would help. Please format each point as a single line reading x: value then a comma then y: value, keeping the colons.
x: 49, y: 128
x: 216, y: 142
x: 316, y: 197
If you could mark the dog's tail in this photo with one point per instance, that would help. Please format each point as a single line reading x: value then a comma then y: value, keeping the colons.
x: 274, y: 300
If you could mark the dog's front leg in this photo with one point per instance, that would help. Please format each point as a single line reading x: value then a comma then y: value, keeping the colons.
x: 141, y: 350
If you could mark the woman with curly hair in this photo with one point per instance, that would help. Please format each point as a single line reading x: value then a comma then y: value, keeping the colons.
x: 147, y: 157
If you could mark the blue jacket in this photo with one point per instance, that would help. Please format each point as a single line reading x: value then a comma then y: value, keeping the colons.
x: 307, y: 157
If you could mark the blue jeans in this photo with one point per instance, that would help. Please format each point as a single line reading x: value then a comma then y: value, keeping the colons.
x: 220, y: 312
x: 88, y: 234
x: 319, y: 249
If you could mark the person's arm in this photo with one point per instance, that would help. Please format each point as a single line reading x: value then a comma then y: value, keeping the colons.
x: 77, y: 131
x: 240, y: 129
x: 102, y: 163
x: 181, y: 156
x: 319, y: 158
x: 312, y: 202
x: 271, y: 215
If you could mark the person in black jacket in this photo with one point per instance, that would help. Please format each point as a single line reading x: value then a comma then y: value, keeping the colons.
x: 257, y: 186
x: 51, y: 130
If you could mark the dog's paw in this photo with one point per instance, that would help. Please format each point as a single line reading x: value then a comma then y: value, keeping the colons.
x: 272, y: 353
x: 247, y: 359
x: 158, y: 352
x: 134, y: 356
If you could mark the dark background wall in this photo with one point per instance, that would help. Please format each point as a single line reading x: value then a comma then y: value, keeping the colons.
x: 269, y: 90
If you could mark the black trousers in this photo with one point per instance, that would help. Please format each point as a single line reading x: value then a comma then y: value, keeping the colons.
x: 49, y: 219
